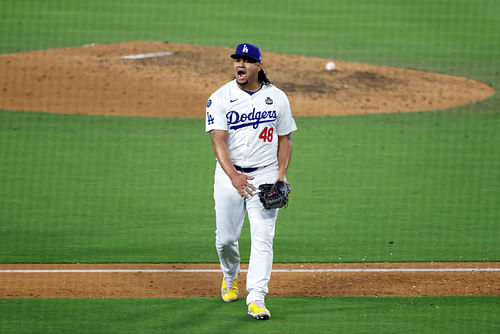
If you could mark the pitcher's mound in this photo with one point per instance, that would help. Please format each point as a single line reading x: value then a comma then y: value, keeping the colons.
x: 175, y: 80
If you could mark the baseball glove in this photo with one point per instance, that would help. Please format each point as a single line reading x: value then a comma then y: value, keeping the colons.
x: 274, y: 196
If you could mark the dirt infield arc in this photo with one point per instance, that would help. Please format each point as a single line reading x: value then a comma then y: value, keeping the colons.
x: 288, y: 280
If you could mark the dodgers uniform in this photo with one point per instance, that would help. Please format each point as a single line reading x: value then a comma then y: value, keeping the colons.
x: 253, y: 122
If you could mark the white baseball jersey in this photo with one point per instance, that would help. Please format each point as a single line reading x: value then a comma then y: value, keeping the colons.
x: 253, y: 122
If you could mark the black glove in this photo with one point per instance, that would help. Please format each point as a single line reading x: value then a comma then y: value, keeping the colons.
x: 274, y: 196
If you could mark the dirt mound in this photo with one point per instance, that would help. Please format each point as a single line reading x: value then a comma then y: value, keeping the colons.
x: 175, y: 80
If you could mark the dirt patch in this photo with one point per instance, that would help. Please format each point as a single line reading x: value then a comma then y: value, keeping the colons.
x: 346, y: 281
x: 175, y: 80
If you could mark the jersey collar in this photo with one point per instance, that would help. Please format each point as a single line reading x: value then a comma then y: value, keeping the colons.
x: 245, y: 91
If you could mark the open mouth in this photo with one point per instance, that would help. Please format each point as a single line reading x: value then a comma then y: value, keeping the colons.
x: 241, y: 75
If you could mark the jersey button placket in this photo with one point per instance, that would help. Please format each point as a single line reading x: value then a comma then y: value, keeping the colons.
x: 248, y: 131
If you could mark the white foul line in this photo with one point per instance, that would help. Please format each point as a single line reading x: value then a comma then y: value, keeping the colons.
x: 353, y: 270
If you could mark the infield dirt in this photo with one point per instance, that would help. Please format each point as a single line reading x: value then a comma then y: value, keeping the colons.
x: 85, y: 284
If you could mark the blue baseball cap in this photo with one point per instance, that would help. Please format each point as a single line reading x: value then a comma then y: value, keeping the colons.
x: 248, y: 50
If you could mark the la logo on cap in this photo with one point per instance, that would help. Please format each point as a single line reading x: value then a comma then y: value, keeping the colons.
x: 247, y: 50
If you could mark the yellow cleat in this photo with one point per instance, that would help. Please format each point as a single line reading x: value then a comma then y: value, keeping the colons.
x: 258, y: 310
x: 229, y: 289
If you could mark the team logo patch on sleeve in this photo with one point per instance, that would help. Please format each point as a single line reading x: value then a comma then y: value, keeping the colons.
x: 210, y: 119
x: 269, y: 101
x: 209, y: 103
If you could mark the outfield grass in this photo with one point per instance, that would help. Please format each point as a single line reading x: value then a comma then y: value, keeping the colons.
x: 289, y: 315
x: 403, y: 187
x: 85, y: 189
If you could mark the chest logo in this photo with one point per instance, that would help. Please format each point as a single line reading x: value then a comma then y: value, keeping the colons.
x: 269, y: 101
x: 235, y: 120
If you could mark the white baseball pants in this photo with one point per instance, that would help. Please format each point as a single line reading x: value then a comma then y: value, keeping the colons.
x: 230, y: 209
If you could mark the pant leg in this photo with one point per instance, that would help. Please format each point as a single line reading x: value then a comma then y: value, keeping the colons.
x: 230, y: 213
x: 262, y: 229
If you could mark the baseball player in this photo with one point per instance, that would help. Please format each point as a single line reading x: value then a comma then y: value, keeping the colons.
x: 250, y: 124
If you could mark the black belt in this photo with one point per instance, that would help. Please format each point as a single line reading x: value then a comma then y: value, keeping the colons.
x: 245, y: 170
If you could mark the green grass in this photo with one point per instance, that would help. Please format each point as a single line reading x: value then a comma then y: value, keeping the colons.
x: 427, y: 182
x: 402, y: 187
x: 289, y: 315
x: 79, y: 188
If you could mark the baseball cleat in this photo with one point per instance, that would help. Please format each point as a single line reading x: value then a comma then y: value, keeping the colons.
x: 229, y: 289
x: 258, y: 310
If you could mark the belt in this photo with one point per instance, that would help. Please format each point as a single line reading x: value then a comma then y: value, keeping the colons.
x: 245, y: 170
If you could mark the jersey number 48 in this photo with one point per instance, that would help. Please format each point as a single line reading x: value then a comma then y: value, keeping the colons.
x: 267, y: 134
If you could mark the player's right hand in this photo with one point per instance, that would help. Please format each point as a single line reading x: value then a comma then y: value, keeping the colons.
x: 242, y: 186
